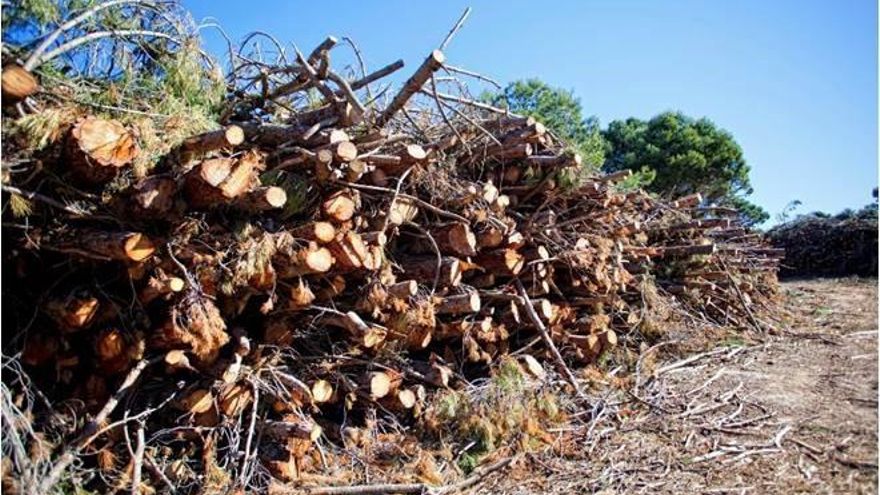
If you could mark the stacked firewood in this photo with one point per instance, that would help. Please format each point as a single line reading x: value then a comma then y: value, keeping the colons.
x: 707, y: 259
x: 315, y: 268
x: 829, y: 246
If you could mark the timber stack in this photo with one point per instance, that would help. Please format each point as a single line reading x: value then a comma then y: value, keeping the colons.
x: 339, y: 260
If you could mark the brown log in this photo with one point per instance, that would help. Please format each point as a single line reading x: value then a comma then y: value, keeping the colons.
x: 226, y: 138
x: 97, y: 149
x: 17, y: 83
x: 122, y: 246
x: 615, y: 177
x: 343, y: 151
x: 355, y: 170
x: 688, y: 201
x: 262, y: 199
x: 74, y: 312
x: 341, y: 205
x: 413, y: 84
x: 501, y: 261
x: 175, y: 361
x: 349, y: 250
x: 555, y: 161
x: 293, y: 262
x: 459, y: 304
x: 403, y: 210
x: 321, y: 232
x: 402, y: 290
x: 322, y: 391
x: 490, y: 238
x: 115, y: 351
x: 235, y: 399
x: 198, y: 401
x: 381, y: 383
x: 426, y: 268
x: 154, y: 196
x: 456, y: 239
x: 160, y: 285
x: 301, y: 296
x: 219, y: 181
x: 365, y: 335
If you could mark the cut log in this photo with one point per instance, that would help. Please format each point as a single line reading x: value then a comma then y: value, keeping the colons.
x: 341, y: 205
x: 301, y: 296
x: 381, y: 383
x: 412, y: 85
x: 460, y: 304
x: 97, y: 149
x: 198, y: 401
x: 501, y: 261
x: 456, y: 239
x: 426, y: 269
x: 176, y: 361
x: 121, y: 246
x: 217, y: 182
x: 17, y: 83
x: 349, y: 250
x: 262, y: 199
x: 160, y: 285
x: 403, y: 210
x: 402, y: 290
x: 74, y: 312
x: 322, y: 391
x: 154, y: 196
x: 365, y: 335
x: 226, y: 138
x: 322, y: 232
x: 295, y: 262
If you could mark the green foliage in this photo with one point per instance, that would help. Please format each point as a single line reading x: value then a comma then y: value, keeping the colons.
x: 508, y: 407
x: 750, y: 214
x: 686, y: 156
x: 560, y: 111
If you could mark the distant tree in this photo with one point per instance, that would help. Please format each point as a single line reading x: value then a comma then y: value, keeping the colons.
x: 560, y: 111
x: 686, y: 156
x: 785, y: 215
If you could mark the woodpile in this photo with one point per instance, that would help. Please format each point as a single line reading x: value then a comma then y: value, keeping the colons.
x: 839, y: 246
x: 304, y: 272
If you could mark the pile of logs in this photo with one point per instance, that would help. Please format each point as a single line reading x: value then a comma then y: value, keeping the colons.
x: 301, y: 273
x: 838, y: 246
x: 719, y: 269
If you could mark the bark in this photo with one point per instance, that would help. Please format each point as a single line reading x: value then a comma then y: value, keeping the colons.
x: 456, y: 239
x: 411, y: 86
x: 461, y: 304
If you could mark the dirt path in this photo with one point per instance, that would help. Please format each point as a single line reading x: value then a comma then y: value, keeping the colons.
x: 794, y: 414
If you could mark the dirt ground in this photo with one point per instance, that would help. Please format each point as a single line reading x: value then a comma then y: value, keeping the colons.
x: 794, y: 412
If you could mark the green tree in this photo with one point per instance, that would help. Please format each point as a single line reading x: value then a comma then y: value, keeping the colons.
x: 560, y: 111
x: 685, y: 156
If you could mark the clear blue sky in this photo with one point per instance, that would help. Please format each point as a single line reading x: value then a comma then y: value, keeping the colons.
x: 794, y: 81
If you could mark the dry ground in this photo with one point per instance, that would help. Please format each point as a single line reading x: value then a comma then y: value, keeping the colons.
x: 793, y: 413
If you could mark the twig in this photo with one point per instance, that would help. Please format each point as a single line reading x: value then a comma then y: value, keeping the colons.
x: 34, y: 59
x: 70, y: 45
x: 455, y: 29
x: 87, y: 434
x: 138, y: 460
x: 44, y: 199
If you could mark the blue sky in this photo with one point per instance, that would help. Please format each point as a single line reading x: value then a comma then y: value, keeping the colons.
x: 794, y: 81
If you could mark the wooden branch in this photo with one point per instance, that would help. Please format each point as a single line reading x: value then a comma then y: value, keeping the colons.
x: 412, y: 85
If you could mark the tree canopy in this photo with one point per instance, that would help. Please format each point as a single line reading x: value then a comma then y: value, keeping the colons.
x: 685, y: 156
x: 560, y: 111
